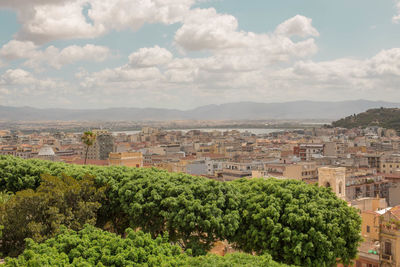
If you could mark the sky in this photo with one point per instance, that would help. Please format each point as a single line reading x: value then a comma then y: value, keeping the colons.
x: 188, y: 53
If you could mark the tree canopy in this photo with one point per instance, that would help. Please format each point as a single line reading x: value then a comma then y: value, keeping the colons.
x: 294, y: 222
x: 94, y: 247
x: 38, y: 214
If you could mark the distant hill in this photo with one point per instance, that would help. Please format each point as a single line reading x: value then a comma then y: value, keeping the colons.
x: 384, y: 117
x: 231, y: 111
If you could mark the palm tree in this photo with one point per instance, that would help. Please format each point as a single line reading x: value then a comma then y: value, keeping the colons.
x: 88, y: 138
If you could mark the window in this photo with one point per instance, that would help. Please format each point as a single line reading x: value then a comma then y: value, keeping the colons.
x: 388, y: 248
x: 368, y: 229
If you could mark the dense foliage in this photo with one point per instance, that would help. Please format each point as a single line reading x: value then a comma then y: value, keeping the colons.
x: 294, y: 222
x: 94, y: 247
x: 388, y: 118
x: 195, y: 212
x: 39, y: 214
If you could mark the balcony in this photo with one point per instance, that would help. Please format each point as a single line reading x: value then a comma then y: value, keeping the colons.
x: 387, y: 258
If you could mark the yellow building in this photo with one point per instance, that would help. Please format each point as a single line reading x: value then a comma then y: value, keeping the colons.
x: 129, y: 159
x: 390, y: 165
x: 370, y: 225
x: 390, y: 238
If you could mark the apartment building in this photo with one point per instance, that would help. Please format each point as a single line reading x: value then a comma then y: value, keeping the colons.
x: 297, y: 170
x: 307, y: 152
x: 390, y: 238
x: 129, y: 159
x: 102, y: 147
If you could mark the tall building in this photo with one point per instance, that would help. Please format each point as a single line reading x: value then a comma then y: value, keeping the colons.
x: 103, y: 145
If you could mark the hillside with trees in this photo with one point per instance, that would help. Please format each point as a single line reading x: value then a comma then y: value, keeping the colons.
x: 388, y: 118
x: 286, y: 220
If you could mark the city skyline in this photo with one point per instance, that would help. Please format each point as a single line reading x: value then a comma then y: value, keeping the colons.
x: 186, y: 53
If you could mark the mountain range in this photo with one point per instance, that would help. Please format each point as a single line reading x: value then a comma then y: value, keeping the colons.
x: 230, y: 111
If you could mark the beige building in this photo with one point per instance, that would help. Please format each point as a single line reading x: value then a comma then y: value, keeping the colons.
x: 390, y: 164
x: 335, y: 178
x: 390, y: 238
x: 299, y: 170
x: 129, y: 159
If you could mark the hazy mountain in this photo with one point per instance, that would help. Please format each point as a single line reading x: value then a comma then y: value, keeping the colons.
x: 230, y: 111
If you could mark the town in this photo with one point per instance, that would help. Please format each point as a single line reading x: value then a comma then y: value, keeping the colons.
x: 361, y: 166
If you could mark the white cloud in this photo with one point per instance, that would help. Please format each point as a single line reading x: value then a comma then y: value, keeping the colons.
x: 42, y: 23
x: 234, y: 64
x: 205, y: 29
x: 150, y: 57
x: 52, y: 56
x: 386, y: 62
x: 21, y: 87
x: 17, y: 49
x: 17, y: 77
x: 189, y: 82
x: 396, y: 18
x: 44, y: 20
x: 297, y: 26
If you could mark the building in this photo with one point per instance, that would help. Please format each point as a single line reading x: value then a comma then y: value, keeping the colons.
x: 334, y: 178
x: 47, y: 153
x: 390, y: 237
x: 390, y: 164
x: 103, y: 145
x: 297, y: 170
x: 369, y: 250
x: 129, y: 159
x: 307, y: 152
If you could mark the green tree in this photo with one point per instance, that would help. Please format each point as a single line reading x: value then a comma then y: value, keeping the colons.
x: 195, y: 212
x: 39, y: 214
x: 296, y: 223
x: 88, y: 138
x: 94, y: 247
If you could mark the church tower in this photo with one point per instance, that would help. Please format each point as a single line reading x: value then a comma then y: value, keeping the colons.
x: 335, y: 178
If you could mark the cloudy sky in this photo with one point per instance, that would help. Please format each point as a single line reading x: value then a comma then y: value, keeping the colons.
x: 187, y: 53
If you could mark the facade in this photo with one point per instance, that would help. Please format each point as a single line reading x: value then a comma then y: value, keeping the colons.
x: 390, y: 238
x: 128, y: 159
x: 102, y: 147
x: 369, y: 250
x: 307, y: 152
x: 334, y: 178
x: 390, y: 164
x: 298, y: 170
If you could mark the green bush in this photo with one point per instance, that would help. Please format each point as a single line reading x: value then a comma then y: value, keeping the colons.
x: 94, y: 247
